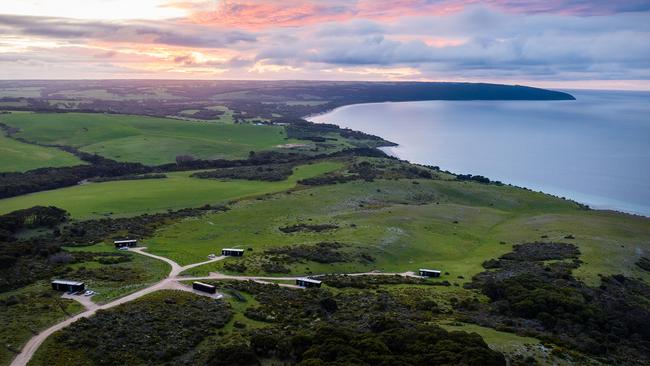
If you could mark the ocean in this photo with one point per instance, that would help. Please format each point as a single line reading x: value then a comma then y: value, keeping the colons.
x: 594, y: 150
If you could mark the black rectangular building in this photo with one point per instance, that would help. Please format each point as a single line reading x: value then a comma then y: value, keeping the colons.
x: 230, y: 252
x: 429, y: 272
x: 68, y: 286
x: 307, y: 282
x: 204, y: 287
x: 125, y: 243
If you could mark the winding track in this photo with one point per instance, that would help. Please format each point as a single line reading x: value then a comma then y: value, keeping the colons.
x: 171, y: 282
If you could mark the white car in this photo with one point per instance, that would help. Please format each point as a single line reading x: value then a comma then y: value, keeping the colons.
x: 89, y: 293
x: 123, y: 248
x: 212, y: 256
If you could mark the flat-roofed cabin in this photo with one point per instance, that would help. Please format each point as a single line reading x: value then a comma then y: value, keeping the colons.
x: 204, y: 287
x: 230, y: 252
x: 429, y: 272
x: 130, y: 243
x: 308, y: 282
x: 68, y: 286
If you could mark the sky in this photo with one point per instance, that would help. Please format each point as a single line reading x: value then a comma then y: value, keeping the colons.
x: 597, y: 44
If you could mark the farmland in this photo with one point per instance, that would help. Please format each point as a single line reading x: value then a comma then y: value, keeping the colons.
x: 147, y: 140
x: 16, y: 156
x: 134, y: 197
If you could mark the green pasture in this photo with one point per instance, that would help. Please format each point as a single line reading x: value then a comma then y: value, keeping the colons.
x: 134, y: 197
x: 16, y: 156
x: 147, y: 140
x: 447, y: 225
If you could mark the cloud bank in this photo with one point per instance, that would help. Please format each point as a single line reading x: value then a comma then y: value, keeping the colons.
x: 556, y: 42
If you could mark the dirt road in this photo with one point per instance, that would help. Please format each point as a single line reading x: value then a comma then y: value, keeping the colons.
x: 171, y: 282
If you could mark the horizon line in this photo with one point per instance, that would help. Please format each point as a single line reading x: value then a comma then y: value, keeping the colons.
x: 339, y: 81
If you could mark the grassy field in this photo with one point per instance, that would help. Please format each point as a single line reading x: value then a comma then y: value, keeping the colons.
x: 133, y: 197
x: 16, y: 156
x: 447, y: 225
x: 26, y: 311
x: 142, y: 139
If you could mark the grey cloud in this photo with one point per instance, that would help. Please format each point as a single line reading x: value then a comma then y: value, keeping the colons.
x: 551, y: 46
x: 144, y: 32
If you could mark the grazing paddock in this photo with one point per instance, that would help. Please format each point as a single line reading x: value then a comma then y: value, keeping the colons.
x: 135, y: 197
x: 147, y: 140
x: 16, y: 156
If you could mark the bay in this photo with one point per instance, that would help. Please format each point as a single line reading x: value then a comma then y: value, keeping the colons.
x: 594, y: 150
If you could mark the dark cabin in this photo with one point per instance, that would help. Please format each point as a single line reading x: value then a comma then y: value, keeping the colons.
x: 307, y: 282
x: 429, y: 272
x: 125, y: 243
x: 229, y: 252
x: 204, y: 287
x: 68, y: 286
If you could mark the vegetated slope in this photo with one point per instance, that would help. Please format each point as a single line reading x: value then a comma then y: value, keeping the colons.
x: 532, y: 290
x: 402, y: 225
x: 147, y: 140
x: 16, y: 156
x: 391, y: 216
x: 133, y: 197
x: 315, y: 327
x: 29, y: 310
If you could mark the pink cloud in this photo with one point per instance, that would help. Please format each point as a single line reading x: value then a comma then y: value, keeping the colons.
x: 256, y: 14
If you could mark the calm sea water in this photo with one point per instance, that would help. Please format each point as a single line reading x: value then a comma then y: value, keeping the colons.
x: 595, y: 150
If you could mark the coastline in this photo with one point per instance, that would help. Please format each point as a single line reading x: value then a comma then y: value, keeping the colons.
x: 389, y: 150
x: 605, y: 204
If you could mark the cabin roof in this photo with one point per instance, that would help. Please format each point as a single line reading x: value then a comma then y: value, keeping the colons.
x: 68, y: 282
x: 429, y: 270
x: 202, y: 283
x: 125, y: 241
x: 233, y: 249
x: 309, y: 280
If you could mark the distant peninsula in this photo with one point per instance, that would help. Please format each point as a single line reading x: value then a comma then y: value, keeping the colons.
x: 239, y: 100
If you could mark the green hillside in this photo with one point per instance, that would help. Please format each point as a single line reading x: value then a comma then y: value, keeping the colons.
x: 134, y: 197
x: 450, y: 225
x: 147, y: 140
x: 16, y: 156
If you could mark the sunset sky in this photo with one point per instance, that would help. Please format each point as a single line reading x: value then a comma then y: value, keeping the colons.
x: 553, y: 43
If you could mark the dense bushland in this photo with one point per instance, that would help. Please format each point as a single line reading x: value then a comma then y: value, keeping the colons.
x: 323, y: 252
x: 373, y: 282
x: 317, y: 327
x: 269, y: 172
x: 532, y: 290
x: 378, y: 169
x: 316, y: 228
x: 151, y: 330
